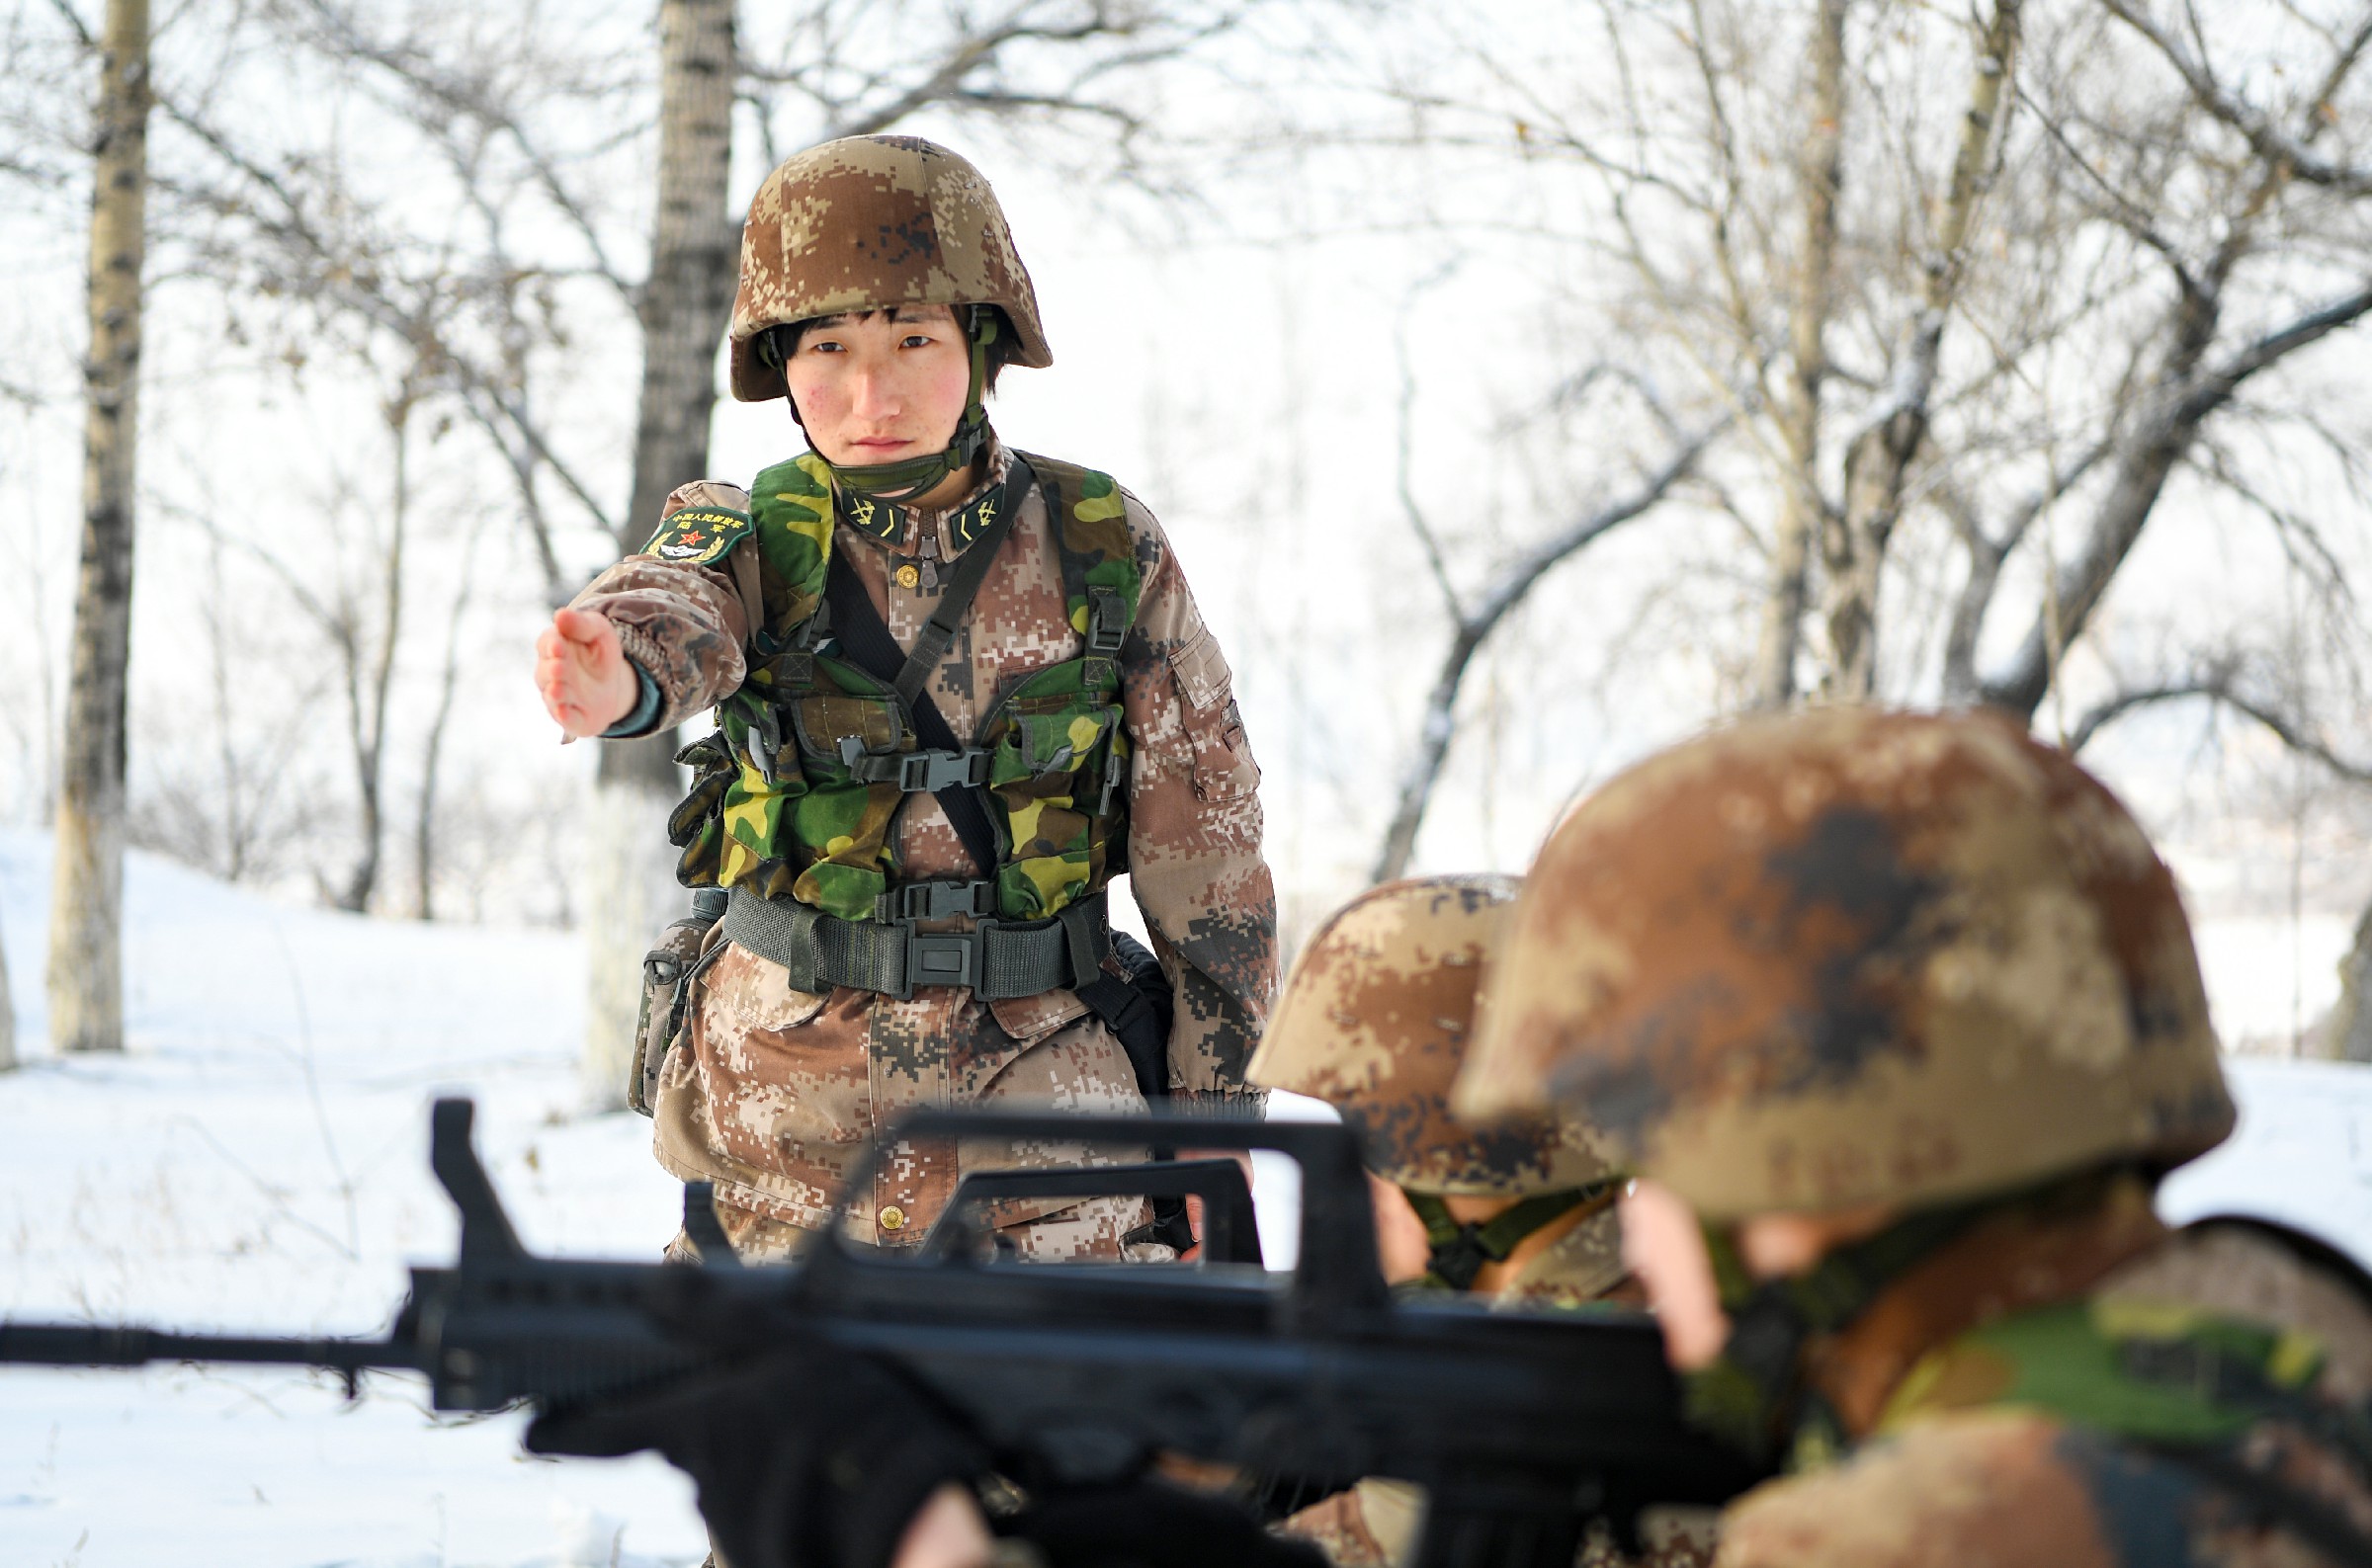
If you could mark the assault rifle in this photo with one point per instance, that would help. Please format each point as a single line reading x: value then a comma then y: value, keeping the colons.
x: 1521, y: 1426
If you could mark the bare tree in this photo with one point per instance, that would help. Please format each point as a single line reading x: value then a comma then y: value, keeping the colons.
x: 1966, y: 353
x: 2020, y: 331
x: 225, y: 786
x: 85, y: 973
x: 432, y: 752
x: 1507, y: 586
x: 2347, y: 1032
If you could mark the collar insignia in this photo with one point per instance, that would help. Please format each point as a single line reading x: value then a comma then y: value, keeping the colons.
x: 886, y: 520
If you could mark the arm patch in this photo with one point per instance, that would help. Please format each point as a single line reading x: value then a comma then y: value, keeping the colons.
x: 695, y: 535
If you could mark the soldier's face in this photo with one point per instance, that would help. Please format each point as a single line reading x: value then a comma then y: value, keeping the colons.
x: 882, y: 386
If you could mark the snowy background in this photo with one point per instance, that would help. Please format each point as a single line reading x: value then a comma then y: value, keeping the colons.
x: 258, y: 1160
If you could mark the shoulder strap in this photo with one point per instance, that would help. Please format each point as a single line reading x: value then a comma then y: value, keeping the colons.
x: 964, y: 586
x: 1460, y: 1249
x: 1097, y: 556
x: 871, y: 646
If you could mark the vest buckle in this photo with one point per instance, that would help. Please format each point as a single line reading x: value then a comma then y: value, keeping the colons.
x: 937, y: 901
x: 929, y: 772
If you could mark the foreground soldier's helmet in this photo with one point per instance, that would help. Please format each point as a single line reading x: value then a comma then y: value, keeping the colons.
x: 1376, y: 1020
x: 871, y: 223
x: 1851, y: 957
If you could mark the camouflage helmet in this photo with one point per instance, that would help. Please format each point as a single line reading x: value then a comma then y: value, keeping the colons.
x: 870, y: 223
x: 1375, y: 1020
x: 1853, y: 957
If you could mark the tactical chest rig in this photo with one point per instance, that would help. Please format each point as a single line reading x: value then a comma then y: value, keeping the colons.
x: 797, y: 794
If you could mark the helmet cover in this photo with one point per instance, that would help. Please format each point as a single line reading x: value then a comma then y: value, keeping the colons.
x: 1813, y: 961
x: 1376, y: 1018
x: 871, y: 223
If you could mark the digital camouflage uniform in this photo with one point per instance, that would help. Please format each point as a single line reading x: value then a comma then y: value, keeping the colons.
x: 1856, y: 958
x: 1375, y: 1020
x: 773, y: 1089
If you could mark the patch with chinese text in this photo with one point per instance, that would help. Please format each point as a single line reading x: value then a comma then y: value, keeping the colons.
x: 698, y: 535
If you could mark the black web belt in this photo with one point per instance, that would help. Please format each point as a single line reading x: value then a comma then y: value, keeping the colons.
x: 996, y: 959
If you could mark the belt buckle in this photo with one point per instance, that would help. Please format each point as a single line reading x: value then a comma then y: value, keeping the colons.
x: 950, y: 957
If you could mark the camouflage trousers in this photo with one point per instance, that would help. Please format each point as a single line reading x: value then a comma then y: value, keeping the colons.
x: 772, y: 1092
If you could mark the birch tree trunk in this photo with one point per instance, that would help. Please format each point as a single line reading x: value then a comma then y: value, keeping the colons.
x: 631, y: 889
x: 2346, y: 1030
x: 86, y: 962
x: 1804, y: 514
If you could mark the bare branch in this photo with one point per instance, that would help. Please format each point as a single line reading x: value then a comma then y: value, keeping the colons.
x: 2145, y: 460
x: 348, y: 280
x: 2268, y: 141
x: 2218, y: 685
x: 1507, y: 589
x: 450, y: 96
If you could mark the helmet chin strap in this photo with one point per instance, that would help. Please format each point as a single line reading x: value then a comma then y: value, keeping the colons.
x: 905, y: 481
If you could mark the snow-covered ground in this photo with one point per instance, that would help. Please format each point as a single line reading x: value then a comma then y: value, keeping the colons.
x: 2302, y: 1156
x: 257, y: 1160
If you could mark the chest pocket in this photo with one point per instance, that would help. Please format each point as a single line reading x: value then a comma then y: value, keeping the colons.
x: 1056, y: 769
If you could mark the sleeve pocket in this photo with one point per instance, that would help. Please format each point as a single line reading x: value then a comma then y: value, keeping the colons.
x: 1223, y: 769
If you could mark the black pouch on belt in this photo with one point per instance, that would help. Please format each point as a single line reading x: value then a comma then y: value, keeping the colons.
x: 1138, y: 1012
x: 668, y: 971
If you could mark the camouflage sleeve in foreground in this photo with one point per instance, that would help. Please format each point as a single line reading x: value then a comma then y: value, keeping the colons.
x: 682, y: 623
x: 1194, y: 828
x: 2003, y: 1486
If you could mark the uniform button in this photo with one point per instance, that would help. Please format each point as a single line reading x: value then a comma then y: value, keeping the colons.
x: 892, y: 1217
x: 908, y: 575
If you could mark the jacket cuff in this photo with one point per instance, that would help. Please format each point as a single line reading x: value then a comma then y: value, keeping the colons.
x: 646, y: 715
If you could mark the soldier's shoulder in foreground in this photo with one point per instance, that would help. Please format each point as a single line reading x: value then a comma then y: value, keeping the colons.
x: 2002, y: 1481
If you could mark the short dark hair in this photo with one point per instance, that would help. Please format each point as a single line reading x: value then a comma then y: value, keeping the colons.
x: 776, y: 343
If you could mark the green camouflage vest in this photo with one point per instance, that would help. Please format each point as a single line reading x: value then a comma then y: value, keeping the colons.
x: 777, y: 805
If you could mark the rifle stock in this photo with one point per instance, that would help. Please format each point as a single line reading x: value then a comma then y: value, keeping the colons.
x: 1522, y: 1426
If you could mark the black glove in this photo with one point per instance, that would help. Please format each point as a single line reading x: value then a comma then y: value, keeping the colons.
x: 804, y: 1458
x: 1151, y: 1525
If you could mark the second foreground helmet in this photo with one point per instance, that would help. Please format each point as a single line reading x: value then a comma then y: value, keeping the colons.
x: 1377, y: 1018
x: 870, y: 223
x: 1849, y: 957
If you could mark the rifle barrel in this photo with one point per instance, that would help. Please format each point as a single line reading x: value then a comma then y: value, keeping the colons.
x: 122, y: 1344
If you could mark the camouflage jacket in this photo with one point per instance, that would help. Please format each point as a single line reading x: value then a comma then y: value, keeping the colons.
x: 1960, y: 1390
x: 781, y: 1086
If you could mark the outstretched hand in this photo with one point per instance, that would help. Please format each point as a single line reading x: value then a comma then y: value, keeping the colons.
x: 582, y: 673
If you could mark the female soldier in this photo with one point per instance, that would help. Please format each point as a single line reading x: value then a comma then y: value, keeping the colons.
x: 958, y: 688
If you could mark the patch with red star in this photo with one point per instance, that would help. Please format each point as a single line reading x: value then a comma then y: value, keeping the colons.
x: 698, y: 535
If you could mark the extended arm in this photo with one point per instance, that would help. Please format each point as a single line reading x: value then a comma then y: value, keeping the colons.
x: 679, y: 626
